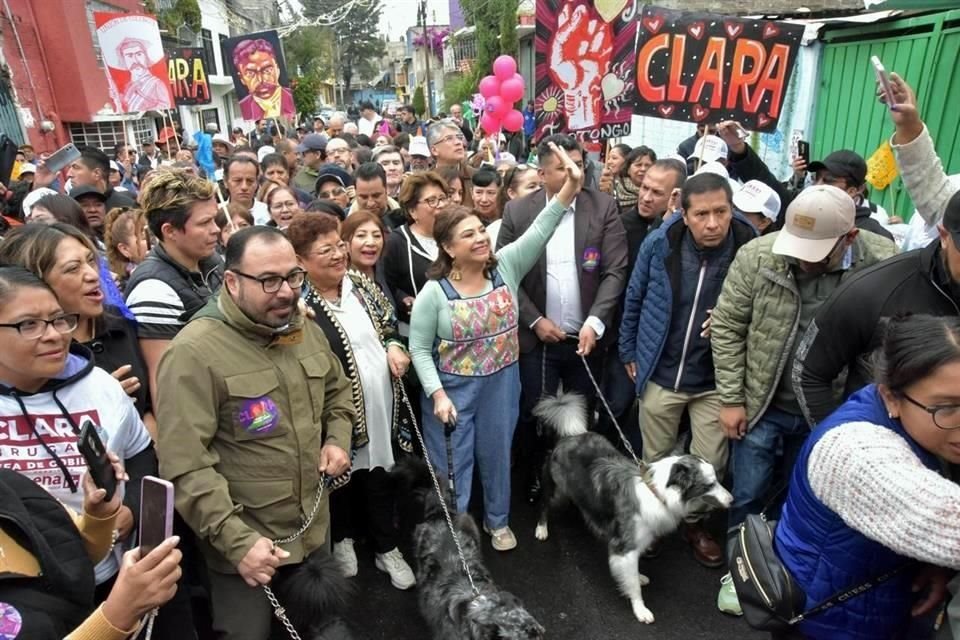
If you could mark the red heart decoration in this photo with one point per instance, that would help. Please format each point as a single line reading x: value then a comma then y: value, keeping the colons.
x: 733, y: 29
x: 187, y: 54
x: 699, y: 112
x: 770, y: 30
x: 665, y: 110
x: 763, y: 120
x: 697, y: 29
x: 653, y: 23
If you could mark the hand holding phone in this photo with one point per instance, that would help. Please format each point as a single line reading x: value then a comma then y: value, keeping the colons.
x: 803, y: 152
x: 156, y: 513
x: 62, y: 158
x: 98, y: 461
x: 884, y: 80
x: 95, y: 502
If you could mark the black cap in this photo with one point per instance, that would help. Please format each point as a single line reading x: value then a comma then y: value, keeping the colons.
x: 951, y: 218
x: 332, y: 172
x: 846, y: 164
x: 79, y: 192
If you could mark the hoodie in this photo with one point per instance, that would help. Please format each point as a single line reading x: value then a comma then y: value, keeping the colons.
x: 39, y: 431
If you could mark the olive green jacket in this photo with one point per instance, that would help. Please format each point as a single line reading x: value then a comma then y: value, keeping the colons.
x: 243, y: 414
x: 755, y: 323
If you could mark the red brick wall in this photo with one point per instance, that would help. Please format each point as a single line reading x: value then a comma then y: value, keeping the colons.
x: 58, y: 55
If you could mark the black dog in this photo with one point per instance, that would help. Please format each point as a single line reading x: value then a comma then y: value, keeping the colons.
x: 314, y: 596
x: 447, y: 601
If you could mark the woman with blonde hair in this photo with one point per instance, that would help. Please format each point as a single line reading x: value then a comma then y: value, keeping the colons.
x: 126, y: 240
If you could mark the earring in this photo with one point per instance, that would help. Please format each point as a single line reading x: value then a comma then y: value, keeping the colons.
x: 455, y: 274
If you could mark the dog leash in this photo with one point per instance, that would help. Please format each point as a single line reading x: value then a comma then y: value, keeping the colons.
x: 443, y: 502
x: 278, y: 609
x: 643, y: 466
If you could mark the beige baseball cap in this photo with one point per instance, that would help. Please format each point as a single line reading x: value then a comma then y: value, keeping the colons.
x: 815, y: 220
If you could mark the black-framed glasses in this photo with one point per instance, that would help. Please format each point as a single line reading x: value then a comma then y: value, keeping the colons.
x: 332, y: 193
x: 33, y: 328
x: 272, y: 284
x: 945, y: 416
x: 435, y: 202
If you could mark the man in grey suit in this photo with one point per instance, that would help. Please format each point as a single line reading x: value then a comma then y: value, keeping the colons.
x: 568, y: 299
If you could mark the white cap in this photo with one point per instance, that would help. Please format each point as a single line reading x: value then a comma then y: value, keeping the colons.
x: 31, y: 199
x: 756, y: 197
x: 28, y: 167
x: 714, y: 168
x: 710, y: 148
x: 224, y: 138
x: 816, y: 219
x: 418, y: 146
x: 264, y: 151
x: 114, y: 166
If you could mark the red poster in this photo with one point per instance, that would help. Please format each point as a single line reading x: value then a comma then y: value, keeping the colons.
x: 133, y: 57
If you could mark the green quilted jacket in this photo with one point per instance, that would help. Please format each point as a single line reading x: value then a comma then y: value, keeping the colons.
x: 756, y: 319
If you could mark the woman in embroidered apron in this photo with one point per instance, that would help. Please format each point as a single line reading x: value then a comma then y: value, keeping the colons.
x: 463, y: 340
x: 361, y: 326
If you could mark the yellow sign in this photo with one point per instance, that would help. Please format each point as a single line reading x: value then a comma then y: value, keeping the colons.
x: 882, y: 167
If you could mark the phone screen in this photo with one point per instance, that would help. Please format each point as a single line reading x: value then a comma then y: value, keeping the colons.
x: 156, y: 513
x: 62, y: 157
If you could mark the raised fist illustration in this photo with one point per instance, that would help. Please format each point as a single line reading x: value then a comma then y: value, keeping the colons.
x: 579, y: 57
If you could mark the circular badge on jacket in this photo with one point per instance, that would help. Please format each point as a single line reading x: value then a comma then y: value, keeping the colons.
x: 258, y: 416
x: 10, y: 621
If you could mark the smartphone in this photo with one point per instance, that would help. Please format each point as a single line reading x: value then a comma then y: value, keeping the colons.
x: 62, y: 158
x: 95, y: 453
x: 883, y: 79
x: 156, y: 513
x: 803, y: 150
x: 743, y: 133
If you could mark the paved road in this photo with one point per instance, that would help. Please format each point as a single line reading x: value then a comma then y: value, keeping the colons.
x: 565, y: 583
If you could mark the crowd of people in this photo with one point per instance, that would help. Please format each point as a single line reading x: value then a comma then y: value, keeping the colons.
x: 271, y: 333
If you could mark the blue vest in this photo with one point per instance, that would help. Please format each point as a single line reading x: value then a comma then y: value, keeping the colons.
x: 826, y: 557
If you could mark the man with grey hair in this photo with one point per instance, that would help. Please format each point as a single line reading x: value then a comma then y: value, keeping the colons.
x: 447, y: 143
x: 144, y: 91
x: 335, y: 126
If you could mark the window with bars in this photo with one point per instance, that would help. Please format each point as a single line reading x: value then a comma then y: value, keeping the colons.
x: 143, y: 130
x: 102, y: 135
x: 206, y: 38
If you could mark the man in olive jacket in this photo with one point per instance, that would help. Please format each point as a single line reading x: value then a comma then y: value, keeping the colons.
x: 771, y: 293
x: 253, y: 411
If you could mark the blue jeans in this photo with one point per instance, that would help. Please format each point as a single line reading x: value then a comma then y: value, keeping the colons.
x: 487, y: 408
x: 752, y: 460
x: 621, y: 393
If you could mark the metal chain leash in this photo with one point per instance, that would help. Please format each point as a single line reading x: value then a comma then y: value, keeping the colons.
x: 278, y: 609
x: 443, y: 502
x: 613, y: 418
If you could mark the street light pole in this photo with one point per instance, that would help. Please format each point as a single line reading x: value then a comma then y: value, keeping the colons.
x: 422, y: 16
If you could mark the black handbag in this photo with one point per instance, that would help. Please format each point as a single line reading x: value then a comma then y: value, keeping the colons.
x: 770, y: 598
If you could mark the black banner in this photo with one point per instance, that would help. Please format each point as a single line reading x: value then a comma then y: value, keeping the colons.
x: 706, y: 68
x: 187, y: 70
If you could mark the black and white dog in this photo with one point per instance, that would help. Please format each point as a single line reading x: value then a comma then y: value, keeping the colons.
x: 447, y: 601
x: 625, y: 506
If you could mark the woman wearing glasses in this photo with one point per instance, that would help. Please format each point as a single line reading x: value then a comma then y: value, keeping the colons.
x: 411, y: 248
x: 867, y: 496
x: 360, y: 325
x: 463, y: 338
x: 282, y: 203
x: 49, y: 387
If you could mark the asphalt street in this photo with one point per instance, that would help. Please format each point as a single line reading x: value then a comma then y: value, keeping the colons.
x: 566, y: 585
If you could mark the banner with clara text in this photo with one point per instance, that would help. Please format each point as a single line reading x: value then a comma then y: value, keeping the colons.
x: 187, y: 71
x: 585, y: 68
x: 702, y: 67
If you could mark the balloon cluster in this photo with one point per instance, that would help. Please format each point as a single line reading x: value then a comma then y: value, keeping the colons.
x: 502, y: 90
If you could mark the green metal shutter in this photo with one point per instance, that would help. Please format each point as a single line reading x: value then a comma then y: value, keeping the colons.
x: 925, y: 51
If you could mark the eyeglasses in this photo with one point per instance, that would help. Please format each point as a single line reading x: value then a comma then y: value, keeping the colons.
x: 945, y: 416
x: 329, y: 251
x: 272, y: 284
x: 333, y: 193
x: 452, y: 136
x: 33, y: 328
x: 280, y: 206
x: 435, y: 202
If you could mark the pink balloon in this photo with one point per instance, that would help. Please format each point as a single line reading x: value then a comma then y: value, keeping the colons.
x: 511, y: 90
x: 491, y: 123
x: 489, y: 87
x: 513, y: 121
x: 498, y: 107
x: 504, y: 67
x: 519, y: 77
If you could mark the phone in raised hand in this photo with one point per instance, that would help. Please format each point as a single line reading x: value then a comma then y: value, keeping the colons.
x: 62, y: 158
x: 98, y: 462
x: 884, y: 79
x: 156, y: 513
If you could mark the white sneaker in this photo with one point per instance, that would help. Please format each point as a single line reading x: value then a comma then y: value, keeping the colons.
x: 344, y: 554
x: 392, y: 563
x: 502, y: 539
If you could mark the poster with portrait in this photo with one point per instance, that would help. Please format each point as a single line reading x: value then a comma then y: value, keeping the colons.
x: 585, y: 61
x: 701, y: 67
x: 255, y: 61
x: 187, y: 74
x: 134, y: 60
